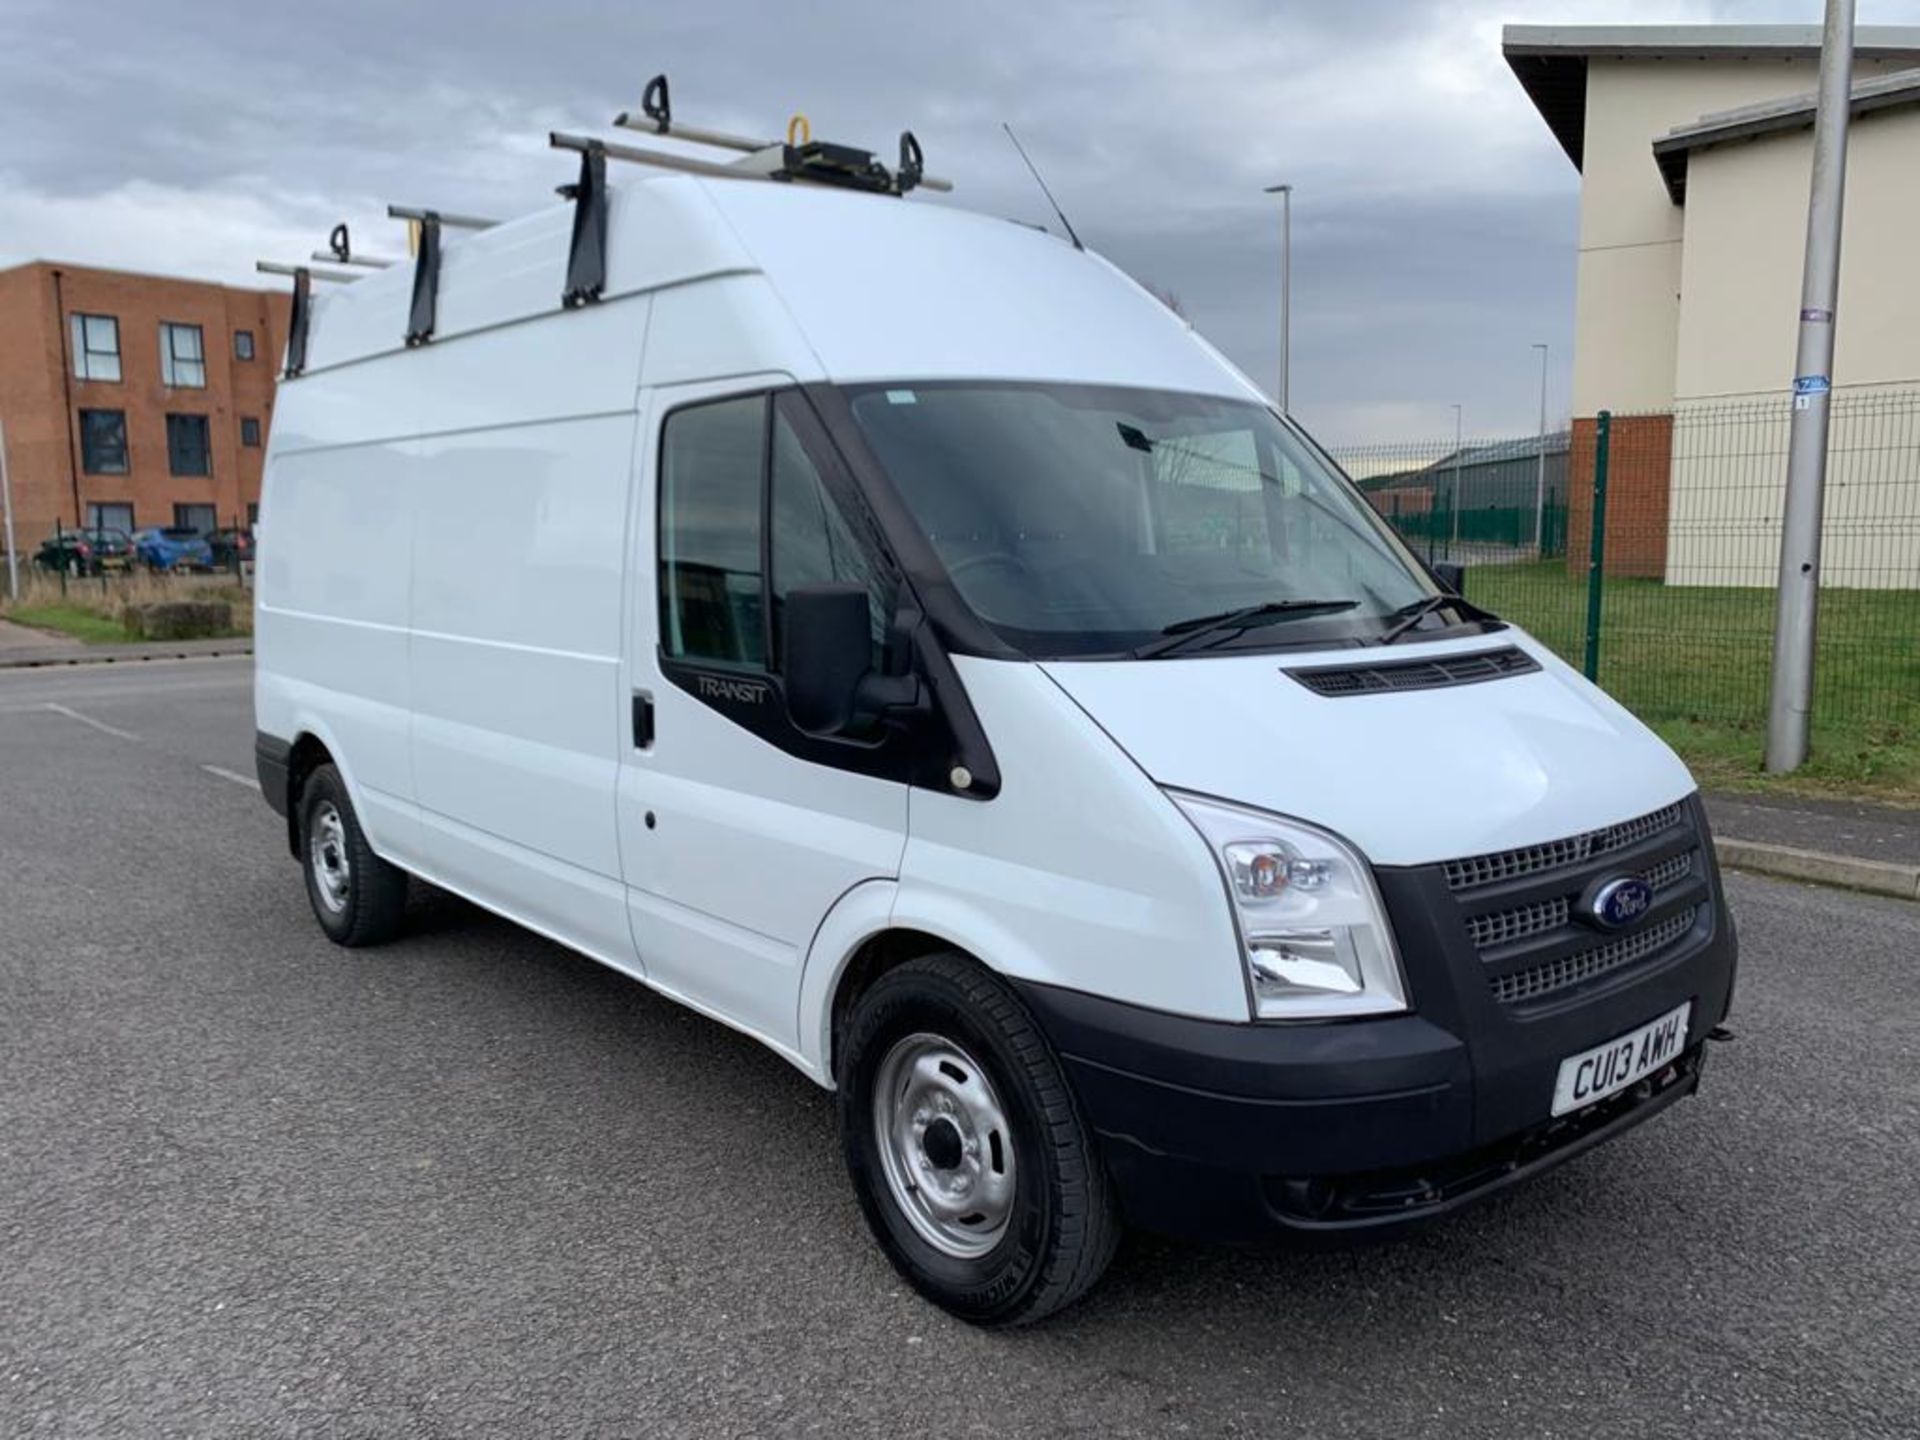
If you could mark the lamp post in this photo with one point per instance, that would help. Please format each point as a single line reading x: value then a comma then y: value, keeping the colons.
x: 1454, y: 544
x: 1796, y: 616
x: 1540, y: 476
x: 1285, y: 192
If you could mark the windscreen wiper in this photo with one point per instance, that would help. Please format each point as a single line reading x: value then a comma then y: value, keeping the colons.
x: 1408, y: 616
x: 1183, y: 633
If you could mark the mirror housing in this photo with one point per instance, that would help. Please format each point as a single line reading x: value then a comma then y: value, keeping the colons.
x: 827, y: 650
x: 826, y: 662
x: 1452, y: 577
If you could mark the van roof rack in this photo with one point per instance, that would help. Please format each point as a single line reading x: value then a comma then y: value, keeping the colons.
x: 797, y: 158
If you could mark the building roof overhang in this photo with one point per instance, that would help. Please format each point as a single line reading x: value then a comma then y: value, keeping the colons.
x: 1550, y: 61
x: 1750, y: 122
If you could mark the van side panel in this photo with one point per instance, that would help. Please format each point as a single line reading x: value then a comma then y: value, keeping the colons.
x: 441, y: 599
x: 331, y: 620
x: 518, y: 561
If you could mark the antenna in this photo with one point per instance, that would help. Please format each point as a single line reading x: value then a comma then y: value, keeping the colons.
x: 1068, y: 224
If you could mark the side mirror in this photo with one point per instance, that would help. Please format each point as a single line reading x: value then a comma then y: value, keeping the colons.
x: 827, y: 662
x: 1452, y: 577
x: 827, y: 651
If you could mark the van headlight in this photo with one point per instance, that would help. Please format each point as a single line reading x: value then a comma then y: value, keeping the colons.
x: 1313, y: 933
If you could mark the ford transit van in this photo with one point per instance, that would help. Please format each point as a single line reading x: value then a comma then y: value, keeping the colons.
x: 893, y: 633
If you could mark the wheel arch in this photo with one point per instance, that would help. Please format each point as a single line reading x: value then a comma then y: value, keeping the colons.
x: 872, y: 929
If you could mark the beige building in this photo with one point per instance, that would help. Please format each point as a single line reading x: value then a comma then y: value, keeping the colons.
x: 1694, y: 145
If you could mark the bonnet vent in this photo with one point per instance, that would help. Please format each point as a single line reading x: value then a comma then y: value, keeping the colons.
x: 1432, y: 672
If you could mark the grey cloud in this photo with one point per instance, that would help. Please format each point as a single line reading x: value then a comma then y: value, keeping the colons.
x: 1434, y: 220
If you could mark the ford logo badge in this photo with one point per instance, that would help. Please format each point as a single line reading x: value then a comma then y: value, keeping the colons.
x: 1617, y: 902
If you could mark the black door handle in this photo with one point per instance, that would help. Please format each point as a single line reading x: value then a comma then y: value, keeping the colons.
x: 642, y: 721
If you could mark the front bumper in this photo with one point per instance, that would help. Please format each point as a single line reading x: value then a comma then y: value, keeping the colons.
x: 1231, y: 1131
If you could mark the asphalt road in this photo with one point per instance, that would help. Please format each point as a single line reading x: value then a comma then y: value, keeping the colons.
x: 470, y: 1184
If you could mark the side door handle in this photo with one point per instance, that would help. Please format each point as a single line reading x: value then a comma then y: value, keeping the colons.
x: 642, y: 720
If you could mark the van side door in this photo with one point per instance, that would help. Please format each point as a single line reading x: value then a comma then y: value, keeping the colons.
x: 738, y: 831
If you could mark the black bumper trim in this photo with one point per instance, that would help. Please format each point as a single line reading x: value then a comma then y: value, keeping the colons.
x: 272, y: 758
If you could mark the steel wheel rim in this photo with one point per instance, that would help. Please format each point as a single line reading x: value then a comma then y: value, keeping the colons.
x: 327, y: 855
x: 945, y: 1144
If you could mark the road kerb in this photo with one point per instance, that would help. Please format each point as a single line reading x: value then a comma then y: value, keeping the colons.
x: 129, y: 654
x: 1875, y: 877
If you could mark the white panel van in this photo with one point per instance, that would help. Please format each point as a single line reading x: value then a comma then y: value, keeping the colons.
x: 893, y: 633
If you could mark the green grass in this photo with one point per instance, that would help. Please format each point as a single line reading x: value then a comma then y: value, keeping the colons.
x: 1693, y: 661
x: 85, y: 625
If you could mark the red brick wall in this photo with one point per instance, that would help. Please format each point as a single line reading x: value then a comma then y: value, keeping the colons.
x: 1639, y: 463
x: 32, y: 400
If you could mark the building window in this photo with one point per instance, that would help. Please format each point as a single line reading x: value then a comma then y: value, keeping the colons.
x: 243, y: 344
x: 96, y: 347
x: 110, y: 515
x: 195, y: 517
x: 253, y: 513
x: 183, y: 359
x: 103, y: 442
x: 187, y: 451
x: 249, y: 430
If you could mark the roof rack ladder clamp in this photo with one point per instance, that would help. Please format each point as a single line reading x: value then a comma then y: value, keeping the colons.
x: 426, y: 282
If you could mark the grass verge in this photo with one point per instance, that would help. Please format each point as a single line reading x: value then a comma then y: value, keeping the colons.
x: 1693, y: 662
x: 90, y: 610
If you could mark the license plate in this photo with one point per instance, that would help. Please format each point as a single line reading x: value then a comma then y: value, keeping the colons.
x: 1607, y: 1069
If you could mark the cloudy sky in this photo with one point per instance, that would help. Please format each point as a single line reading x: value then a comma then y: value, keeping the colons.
x: 1434, y: 217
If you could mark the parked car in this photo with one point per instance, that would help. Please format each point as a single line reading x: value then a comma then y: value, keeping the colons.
x: 172, y: 547
x: 988, y: 701
x: 231, y: 547
x: 85, y: 552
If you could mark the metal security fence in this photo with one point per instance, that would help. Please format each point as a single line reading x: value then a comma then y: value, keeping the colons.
x: 1648, y: 555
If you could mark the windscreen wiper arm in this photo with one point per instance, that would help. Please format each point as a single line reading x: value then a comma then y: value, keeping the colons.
x: 1185, y: 632
x: 1408, y: 616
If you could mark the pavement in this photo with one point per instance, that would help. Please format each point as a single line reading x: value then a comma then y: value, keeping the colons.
x: 22, y: 647
x: 1854, y: 844
x: 472, y: 1184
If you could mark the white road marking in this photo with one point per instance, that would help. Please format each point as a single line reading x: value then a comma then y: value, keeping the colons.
x: 99, y: 725
x: 233, y: 775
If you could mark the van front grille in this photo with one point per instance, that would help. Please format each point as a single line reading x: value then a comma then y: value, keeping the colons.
x: 1478, y: 870
x: 1537, y: 981
x: 1540, y: 917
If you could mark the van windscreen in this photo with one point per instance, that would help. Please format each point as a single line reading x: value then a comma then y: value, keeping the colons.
x: 1090, y: 520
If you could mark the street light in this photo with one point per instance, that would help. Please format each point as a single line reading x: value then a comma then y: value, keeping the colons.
x: 1540, y: 482
x: 1285, y: 192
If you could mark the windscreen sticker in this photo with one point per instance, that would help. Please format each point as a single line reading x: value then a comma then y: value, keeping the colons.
x: 902, y: 397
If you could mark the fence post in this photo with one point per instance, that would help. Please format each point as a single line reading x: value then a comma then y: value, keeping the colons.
x: 1597, y: 544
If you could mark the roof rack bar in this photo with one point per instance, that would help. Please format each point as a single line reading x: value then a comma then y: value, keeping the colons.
x: 795, y: 158
x: 370, y: 262
x: 637, y: 156
x: 274, y: 267
x: 446, y: 217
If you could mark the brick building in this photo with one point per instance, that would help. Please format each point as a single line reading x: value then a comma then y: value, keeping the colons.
x: 131, y: 400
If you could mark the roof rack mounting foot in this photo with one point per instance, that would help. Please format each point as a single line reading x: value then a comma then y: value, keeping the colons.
x: 587, y: 253
x: 297, y: 322
x: 426, y: 282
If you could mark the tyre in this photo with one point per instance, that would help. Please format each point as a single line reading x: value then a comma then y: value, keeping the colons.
x: 975, y: 1168
x: 358, y: 898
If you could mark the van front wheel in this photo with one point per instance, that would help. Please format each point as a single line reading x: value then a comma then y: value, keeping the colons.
x: 976, y: 1171
x: 358, y: 898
